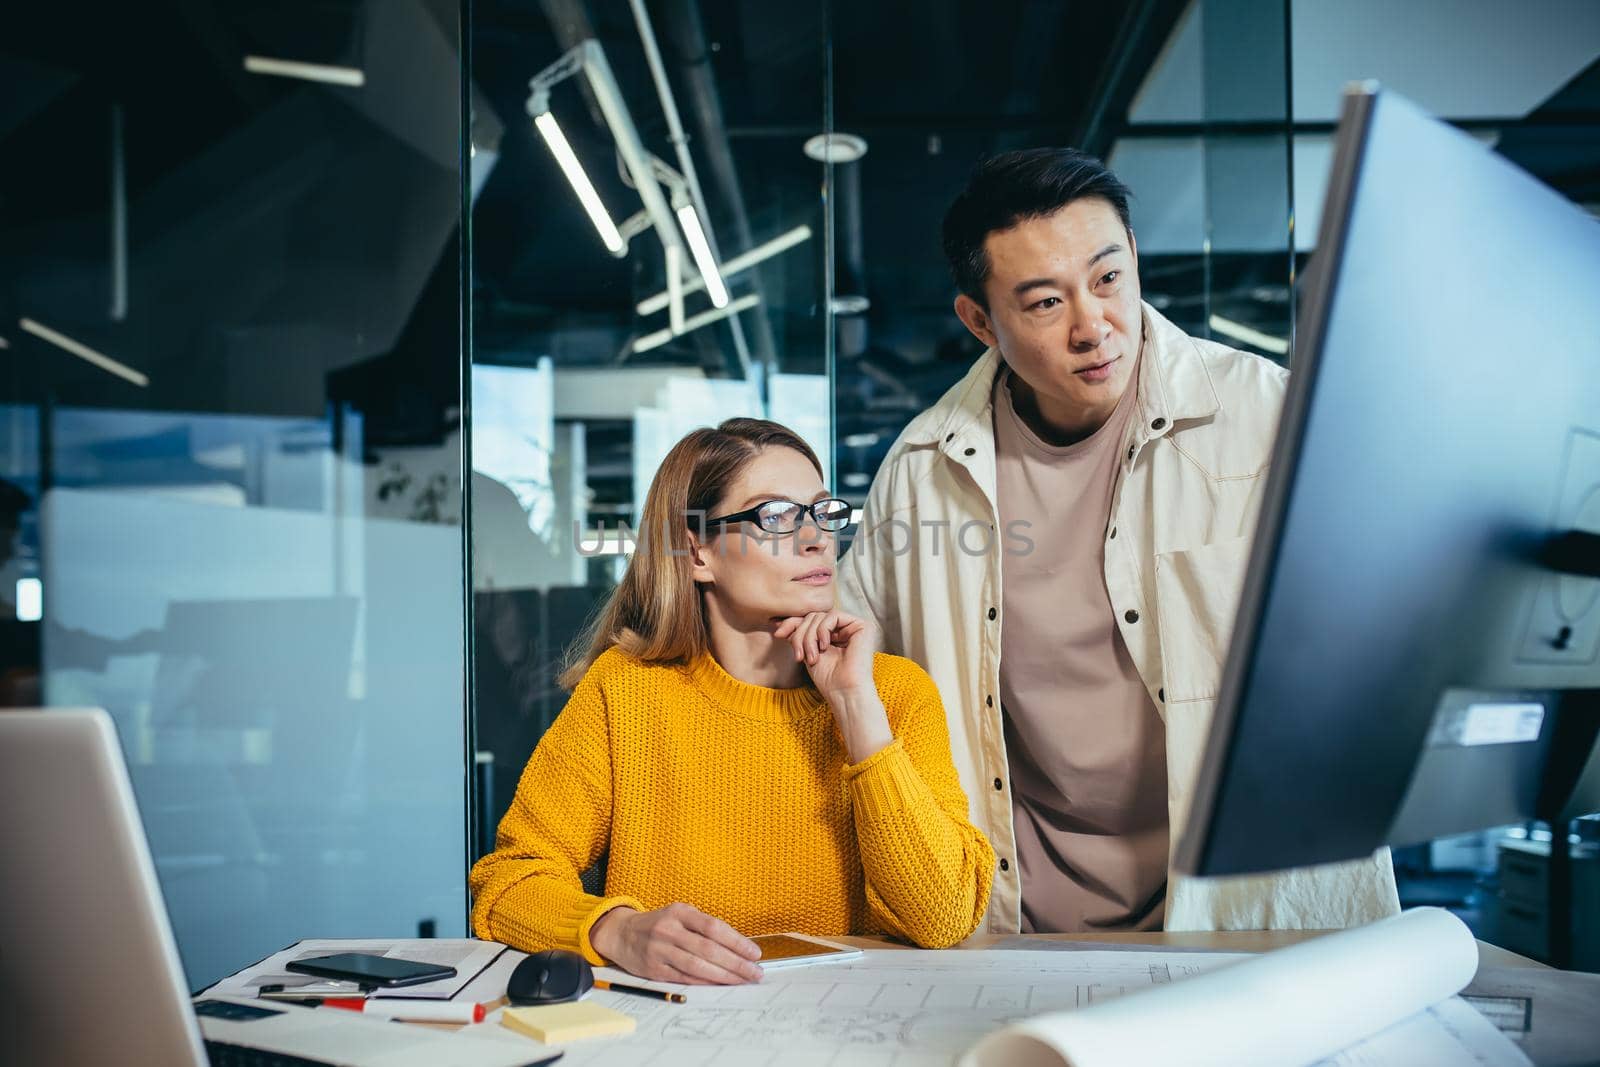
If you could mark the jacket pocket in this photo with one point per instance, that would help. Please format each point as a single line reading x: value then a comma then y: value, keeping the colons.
x: 1197, y: 594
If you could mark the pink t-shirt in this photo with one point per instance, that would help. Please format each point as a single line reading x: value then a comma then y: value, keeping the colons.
x: 1086, y: 745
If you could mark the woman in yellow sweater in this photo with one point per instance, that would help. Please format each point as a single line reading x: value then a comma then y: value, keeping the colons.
x: 735, y: 746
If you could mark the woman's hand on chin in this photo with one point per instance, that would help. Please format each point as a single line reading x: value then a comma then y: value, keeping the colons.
x: 836, y: 648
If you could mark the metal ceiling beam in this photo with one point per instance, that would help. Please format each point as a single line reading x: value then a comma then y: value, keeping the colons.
x: 1145, y: 27
x: 570, y: 21
x: 684, y: 31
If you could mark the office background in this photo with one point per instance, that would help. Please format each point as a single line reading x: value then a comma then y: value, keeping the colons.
x: 325, y: 408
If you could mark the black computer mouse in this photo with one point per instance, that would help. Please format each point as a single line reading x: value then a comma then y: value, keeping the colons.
x: 550, y: 977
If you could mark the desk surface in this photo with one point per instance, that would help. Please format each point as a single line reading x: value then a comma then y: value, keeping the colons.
x: 1210, y: 940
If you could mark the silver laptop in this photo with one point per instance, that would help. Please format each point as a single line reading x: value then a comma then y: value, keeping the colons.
x: 89, y: 970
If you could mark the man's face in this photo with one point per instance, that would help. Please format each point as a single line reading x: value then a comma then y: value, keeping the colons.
x: 1063, y: 294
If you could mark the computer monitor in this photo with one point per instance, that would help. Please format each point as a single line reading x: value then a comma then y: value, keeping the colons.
x: 1417, y: 645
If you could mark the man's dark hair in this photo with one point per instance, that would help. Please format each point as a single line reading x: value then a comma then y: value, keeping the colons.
x: 1009, y: 188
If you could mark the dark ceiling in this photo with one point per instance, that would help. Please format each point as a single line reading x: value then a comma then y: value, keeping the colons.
x: 276, y: 230
x: 932, y: 93
x: 291, y: 243
x: 931, y: 89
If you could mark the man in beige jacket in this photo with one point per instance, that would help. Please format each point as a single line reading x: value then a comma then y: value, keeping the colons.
x: 1061, y: 541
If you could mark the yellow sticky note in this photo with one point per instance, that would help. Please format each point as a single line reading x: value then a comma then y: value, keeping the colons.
x: 555, y: 1023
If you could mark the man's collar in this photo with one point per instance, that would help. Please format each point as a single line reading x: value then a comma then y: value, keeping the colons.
x: 1173, y: 385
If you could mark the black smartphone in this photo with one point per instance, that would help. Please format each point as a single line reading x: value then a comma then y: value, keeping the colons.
x: 370, y: 970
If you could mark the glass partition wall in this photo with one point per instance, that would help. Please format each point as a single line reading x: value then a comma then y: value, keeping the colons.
x: 649, y: 250
x: 230, y: 450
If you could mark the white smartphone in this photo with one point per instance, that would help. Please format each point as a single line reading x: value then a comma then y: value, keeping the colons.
x: 796, y: 950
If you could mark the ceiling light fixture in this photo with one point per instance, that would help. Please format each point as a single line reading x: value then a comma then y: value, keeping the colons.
x: 568, y: 161
x: 702, y: 256
x: 836, y: 147
x: 688, y: 199
x: 30, y: 600
x: 84, y: 352
x: 694, y: 322
x: 589, y: 59
x: 737, y: 265
x: 1240, y: 332
x: 350, y: 77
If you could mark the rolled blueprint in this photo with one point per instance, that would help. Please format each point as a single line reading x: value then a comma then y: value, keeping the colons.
x: 1293, y: 1006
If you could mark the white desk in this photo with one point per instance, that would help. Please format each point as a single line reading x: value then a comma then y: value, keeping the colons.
x: 489, y: 986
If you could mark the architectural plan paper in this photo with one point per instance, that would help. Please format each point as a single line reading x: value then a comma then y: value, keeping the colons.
x: 1554, y: 1016
x: 1375, y: 994
x: 907, y: 1008
x: 892, y: 1008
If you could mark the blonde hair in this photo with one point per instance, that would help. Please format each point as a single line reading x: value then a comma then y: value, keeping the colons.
x: 655, y: 613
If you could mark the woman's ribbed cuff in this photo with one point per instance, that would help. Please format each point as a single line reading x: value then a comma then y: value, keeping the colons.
x: 886, y: 782
x: 587, y: 924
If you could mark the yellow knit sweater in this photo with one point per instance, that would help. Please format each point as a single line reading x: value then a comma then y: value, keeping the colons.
x: 736, y: 799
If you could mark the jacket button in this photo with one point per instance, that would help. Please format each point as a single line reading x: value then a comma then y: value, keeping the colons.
x: 998, y: 784
x: 1158, y: 424
x: 993, y: 614
x: 1161, y: 695
x: 1131, y: 615
x: 969, y: 451
x: 949, y: 437
x: 1113, y: 533
x: 1131, y: 450
x: 1005, y: 865
x: 989, y: 700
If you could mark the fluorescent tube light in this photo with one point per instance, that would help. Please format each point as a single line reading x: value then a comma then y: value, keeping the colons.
x: 702, y: 256
x: 738, y: 264
x: 580, y: 181
x: 311, y: 72
x: 1240, y: 332
x: 84, y: 352
x: 694, y: 322
x: 30, y: 600
x: 570, y: 166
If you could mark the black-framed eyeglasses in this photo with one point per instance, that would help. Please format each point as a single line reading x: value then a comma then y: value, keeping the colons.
x: 785, y: 516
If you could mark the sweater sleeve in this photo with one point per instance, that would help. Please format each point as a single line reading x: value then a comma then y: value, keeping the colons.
x: 928, y: 869
x: 527, y: 892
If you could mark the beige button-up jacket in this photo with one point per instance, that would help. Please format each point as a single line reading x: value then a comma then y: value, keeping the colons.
x: 926, y: 564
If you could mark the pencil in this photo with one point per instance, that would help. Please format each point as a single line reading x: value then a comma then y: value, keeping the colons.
x: 641, y: 991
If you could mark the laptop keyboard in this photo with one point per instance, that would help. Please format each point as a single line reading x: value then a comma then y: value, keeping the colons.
x: 222, y: 1054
